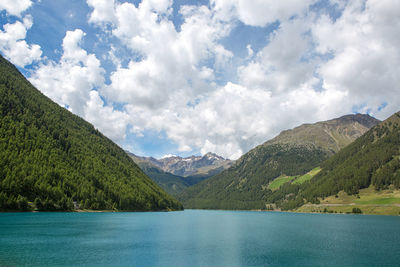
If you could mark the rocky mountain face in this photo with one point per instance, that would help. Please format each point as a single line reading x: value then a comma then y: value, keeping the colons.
x: 331, y: 135
x: 293, y: 152
x: 209, y: 164
x: 174, y: 174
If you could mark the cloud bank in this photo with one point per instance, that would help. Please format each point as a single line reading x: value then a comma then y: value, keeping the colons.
x: 182, y: 79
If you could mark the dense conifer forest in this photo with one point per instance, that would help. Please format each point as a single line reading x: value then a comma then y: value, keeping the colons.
x: 244, y: 185
x: 51, y: 159
x: 373, y: 159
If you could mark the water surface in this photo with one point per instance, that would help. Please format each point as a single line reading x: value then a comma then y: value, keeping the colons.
x: 198, y: 238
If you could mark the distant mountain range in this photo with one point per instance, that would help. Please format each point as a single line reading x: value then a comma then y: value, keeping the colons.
x: 174, y: 174
x: 51, y: 159
x: 209, y: 164
x: 245, y: 185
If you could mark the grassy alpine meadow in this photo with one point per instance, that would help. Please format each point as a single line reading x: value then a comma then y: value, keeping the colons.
x: 307, y: 176
x: 296, y: 179
x: 368, y: 201
x: 277, y: 182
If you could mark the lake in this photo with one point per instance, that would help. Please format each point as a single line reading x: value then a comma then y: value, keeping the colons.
x: 198, y: 238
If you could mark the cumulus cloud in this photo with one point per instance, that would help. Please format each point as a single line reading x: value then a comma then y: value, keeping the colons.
x: 170, y: 88
x: 233, y: 119
x: 103, y: 11
x: 72, y: 82
x: 280, y: 66
x: 14, y: 46
x: 15, y: 7
x: 69, y: 81
x: 111, y: 122
x: 172, y: 60
x: 260, y: 12
x: 364, y: 43
x: 172, y: 71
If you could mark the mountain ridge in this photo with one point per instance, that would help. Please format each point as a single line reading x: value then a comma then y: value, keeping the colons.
x: 187, y: 166
x: 352, y: 125
x: 175, y: 184
x: 293, y: 152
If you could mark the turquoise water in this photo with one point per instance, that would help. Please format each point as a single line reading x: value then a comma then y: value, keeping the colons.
x: 198, y: 238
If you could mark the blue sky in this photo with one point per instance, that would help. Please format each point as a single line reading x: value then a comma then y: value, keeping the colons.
x: 190, y: 77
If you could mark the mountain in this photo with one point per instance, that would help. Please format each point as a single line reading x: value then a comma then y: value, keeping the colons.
x: 51, y: 159
x: 206, y: 165
x: 172, y: 184
x: 201, y: 167
x: 373, y: 160
x: 245, y: 185
x: 330, y: 136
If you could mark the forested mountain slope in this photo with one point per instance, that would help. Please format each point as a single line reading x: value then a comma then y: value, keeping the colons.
x: 373, y: 159
x: 293, y: 152
x: 50, y: 158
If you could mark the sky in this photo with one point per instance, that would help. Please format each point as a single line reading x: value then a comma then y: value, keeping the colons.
x: 188, y: 77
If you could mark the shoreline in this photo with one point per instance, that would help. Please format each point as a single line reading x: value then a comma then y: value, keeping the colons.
x: 302, y: 212
x: 299, y: 210
x: 83, y: 211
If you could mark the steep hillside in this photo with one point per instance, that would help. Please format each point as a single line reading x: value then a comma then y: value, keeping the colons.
x: 51, y: 159
x: 372, y: 160
x: 293, y: 152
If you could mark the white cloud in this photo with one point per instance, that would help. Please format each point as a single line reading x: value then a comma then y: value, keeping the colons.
x: 172, y: 67
x: 142, y: 84
x: 233, y: 119
x: 13, y: 45
x: 103, y: 11
x: 364, y: 43
x: 110, y: 122
x: 158, y: 6
x: 168, y: 156
x: 69, y: 81
x: 15, y: 7
x: 71, y: 47
x: 172, y: 71
x: 279, y: 67
x: 72, y: 83
x: 250, y: 51
x: 260, y: 12
x: 311, y: 68
x: 274, y: 90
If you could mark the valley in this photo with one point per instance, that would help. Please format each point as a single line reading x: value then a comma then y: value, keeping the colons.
x: 199, y: 133
x: 194, y: 169
x: 260, y: 177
